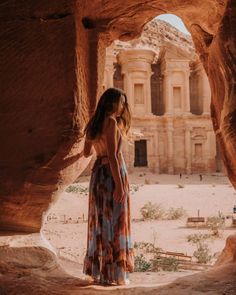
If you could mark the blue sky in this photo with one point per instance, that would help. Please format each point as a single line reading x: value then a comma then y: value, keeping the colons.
x: 174, y: 21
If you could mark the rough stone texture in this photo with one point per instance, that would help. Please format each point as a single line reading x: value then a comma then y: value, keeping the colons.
x: 44, y: 104
x: 228, y: 254
x: 156, y: 34
x: 50, y: 68
x: 35, y: 270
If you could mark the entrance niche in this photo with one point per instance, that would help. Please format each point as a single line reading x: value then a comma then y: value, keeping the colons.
x: 157, y: 100
x: 140, y: 157
x: 138, y: 93
x: 218, y: 159
x: 196, y: 95
x: 177, y: 97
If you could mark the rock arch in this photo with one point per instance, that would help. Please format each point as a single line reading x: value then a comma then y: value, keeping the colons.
x: 52, y: 62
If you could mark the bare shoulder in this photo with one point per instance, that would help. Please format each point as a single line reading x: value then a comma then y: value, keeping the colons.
x: 110, y: 123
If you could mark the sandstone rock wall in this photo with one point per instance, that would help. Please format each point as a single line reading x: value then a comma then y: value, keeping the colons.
x: 52, y: 63
x: 44, y: 103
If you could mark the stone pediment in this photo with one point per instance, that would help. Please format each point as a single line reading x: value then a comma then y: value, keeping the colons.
x: 170, y: 51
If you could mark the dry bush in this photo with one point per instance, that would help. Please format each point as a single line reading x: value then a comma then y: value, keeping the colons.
x: 175, y: 213
x: 152, y: 211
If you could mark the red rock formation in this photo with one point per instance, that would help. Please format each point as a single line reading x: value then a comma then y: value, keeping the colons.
x: 52, y: 62
x: 35, y: 270
x: 228, y: 254
x: 158, y: 33
x: 44, y: 104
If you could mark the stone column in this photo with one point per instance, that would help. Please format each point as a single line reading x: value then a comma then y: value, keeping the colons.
x: 149, y: 102
x: 167, y: 93
x: 206, y: 93
x: 188, y: 150
x: 170, y: 150
x: 109, y: 69
x: 186, y: 93
x: 153, y: 159
x: 127, y: 87
x: 157, y: 156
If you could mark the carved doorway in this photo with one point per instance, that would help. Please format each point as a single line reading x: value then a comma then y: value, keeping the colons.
x: 140, y: 159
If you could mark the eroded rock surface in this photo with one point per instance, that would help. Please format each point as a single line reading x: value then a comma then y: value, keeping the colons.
x: 35, y: 270
x: 52, y: 64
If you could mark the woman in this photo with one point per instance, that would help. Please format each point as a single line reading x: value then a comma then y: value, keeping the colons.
x: 109, y: 256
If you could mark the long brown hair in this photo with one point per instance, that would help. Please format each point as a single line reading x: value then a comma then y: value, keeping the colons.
x: 106, y: 106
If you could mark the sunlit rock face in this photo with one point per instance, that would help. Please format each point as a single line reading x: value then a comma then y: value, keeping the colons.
x: 44, y: 104
x: 35, y: 270
x: 52, y: 65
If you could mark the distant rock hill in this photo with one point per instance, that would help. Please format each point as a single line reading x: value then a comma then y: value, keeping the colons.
x: 157, y: 34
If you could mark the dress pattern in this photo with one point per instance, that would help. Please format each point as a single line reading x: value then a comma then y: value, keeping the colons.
x: 110, y: 256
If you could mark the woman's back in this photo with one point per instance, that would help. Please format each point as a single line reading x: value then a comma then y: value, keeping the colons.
x: 100, y: 144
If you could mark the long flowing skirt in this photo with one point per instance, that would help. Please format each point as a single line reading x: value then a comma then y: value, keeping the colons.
x: 109, y: 257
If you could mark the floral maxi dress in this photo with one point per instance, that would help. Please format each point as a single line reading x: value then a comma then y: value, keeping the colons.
x: 109, y: 257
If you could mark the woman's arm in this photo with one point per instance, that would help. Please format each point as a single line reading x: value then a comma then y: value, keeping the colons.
x: 88, y: 148
x: 111, y: 145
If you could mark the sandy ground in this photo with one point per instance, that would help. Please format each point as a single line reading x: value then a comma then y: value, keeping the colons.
x: 66, y: 227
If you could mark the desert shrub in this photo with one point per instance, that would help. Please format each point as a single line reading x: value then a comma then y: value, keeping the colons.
x: 147, y: 247
x: 134, y: 188
x: 216, y: 225
x: 141, y: 264
x: 198, y: 238
x: 164, y: 263
x: 175, y: 213
x: 152, y: 211
x: 150, y: 258
x: 77, y: 189
x: 202, y: 253
x: 72, y: 189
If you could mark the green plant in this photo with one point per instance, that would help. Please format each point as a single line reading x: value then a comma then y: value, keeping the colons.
x: 147, y: 247
x: 151, y: 260
x: 198, y: 238
x: 152, y: 211
x: 72, y: 189
x: 141, y: 264
x: 216, y: 224
x: 175, y: 213
x: 164, y: 263
x: 77, y: 189
x: 202, y: 253
x: 134, y: 188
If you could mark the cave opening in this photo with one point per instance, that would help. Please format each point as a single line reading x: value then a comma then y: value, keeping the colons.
x: 58, y: 97
x: 193, y: 178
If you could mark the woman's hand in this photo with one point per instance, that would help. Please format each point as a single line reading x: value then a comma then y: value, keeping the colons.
x: 119, y: 194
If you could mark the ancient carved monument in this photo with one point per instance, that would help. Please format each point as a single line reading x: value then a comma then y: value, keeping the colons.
x: 169, y: 96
